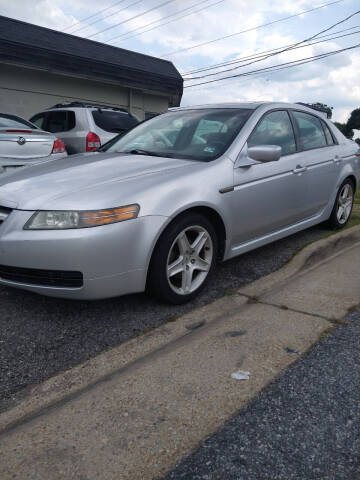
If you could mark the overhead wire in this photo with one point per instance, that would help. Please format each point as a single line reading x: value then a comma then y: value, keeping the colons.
x: 262, y: 53
x: 283, y: 19
x: 107, y: 16
x: 278, y: 67
x: 94, y: 14
x: 286, y: 49
x: 110, y: 27
x: 128, y: 35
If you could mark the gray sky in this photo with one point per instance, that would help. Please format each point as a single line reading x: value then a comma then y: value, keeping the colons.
x: 333, y: 80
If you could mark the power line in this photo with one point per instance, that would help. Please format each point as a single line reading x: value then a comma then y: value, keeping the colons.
x: 295, y: 48
x: 262, y: 53
x: 128, y: 33
x: 107, y: 16
x: 251, y: 29
x: 281, y: 66
x: 286, y: 49
x: 94, y: 14
x: 132, y: 18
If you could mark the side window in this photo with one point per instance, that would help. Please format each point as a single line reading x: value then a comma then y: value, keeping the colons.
x: 60, y: 121
x: 329, y: 137
x: 274, y: 129
x: 39, y: 120
x: 311, y: 132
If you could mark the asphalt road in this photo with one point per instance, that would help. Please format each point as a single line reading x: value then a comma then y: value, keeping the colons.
x: 41, y: 336
x: 304, y: 426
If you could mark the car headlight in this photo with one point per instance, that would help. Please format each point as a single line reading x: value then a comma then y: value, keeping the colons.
x: 62, y: 220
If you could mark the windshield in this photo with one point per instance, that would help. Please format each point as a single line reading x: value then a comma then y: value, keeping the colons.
x: 14, y: 122
x: 190, y: 134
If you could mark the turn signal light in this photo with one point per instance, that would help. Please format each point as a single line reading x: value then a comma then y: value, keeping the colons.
x: 59, y: 146
x: 113, y: 215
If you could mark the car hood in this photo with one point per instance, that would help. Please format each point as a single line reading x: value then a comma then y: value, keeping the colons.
x: 36, y: 187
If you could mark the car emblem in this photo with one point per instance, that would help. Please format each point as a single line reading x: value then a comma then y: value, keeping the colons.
x: 21, y: 141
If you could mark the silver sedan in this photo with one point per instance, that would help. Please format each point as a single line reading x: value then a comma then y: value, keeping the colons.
x: 23, y: 144
x: 162, y: 204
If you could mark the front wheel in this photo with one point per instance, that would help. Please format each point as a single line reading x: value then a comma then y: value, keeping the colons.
x: 341, y: 212
x: 183, y: 259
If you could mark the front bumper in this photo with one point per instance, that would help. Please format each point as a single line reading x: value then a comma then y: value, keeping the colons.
x: 113, y: 259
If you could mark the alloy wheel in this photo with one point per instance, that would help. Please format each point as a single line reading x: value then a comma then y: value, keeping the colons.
x: 189, y: 260
x: 345, y: 202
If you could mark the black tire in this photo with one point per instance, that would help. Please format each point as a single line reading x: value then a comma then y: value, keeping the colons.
x: 158, y: 284
x: 333, y: 221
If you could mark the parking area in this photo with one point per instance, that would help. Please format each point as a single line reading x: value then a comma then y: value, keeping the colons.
x: 42, y: 336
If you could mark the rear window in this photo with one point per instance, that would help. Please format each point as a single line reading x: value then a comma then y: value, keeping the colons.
x: 38, y: 120
x: 60, y: 121
x: 114, y: 122
x: 311, y: 132
x: 329, y: 137
x: 13, y: 121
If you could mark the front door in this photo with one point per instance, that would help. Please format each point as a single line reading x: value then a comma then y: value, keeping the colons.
x: 270, y: 196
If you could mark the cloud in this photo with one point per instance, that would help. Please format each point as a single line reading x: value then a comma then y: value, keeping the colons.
x: 332, y: 80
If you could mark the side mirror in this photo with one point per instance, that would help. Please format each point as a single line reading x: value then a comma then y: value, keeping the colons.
x: 265, y: 153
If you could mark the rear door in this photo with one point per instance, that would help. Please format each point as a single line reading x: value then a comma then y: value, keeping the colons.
x: 320, y: 156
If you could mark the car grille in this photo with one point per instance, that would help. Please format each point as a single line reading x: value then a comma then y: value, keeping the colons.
x: 4, y: 213
x: 47, y: 278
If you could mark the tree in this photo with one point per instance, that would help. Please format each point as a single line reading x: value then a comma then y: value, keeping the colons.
x: 345, y: 130
x: 354, y: 120
x: 324, y: 107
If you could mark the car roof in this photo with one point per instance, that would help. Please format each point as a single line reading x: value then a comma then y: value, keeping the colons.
x: 87, y: 105
x: 249, y: 105
x: 254, y: 105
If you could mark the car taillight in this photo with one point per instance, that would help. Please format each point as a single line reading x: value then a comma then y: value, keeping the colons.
x: 92, y: 142
x: 59, y: 146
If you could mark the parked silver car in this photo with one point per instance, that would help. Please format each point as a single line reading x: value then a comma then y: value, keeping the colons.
x: 171, y: 197
x: 84, y: 127
x: 23, y: 144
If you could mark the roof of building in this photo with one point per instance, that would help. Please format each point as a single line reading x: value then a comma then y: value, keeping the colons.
x: 23, y: 43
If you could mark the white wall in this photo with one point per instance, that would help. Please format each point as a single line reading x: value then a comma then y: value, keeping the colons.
x: 25, y: 91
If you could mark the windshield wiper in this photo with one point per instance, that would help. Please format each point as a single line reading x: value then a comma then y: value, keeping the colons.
x: 139, y: 151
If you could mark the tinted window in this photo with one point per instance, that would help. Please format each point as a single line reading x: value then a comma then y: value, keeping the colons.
x: 311, y: 132
x: 274, y: 129
x: 60, y: 121
x: 13, y: 121
x: 39, y: 120
x: 115, y: 122
x: 329, y: 137
x: 202, y: 134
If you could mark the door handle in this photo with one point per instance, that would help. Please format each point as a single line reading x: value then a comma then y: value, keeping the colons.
x: 299, y: 169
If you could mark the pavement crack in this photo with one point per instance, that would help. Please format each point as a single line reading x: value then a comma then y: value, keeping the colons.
x: 256, y: 300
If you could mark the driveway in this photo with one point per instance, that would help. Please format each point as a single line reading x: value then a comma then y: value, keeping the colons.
x: 41, y: 336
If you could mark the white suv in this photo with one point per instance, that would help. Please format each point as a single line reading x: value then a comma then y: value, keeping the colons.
x: 84, y: 127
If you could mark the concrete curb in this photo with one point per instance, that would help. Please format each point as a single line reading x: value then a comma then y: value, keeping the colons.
x: 138, y: 350
x: 309, y: 257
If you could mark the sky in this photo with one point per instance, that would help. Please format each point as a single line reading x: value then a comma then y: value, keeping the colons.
x: 332, y: 80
